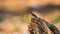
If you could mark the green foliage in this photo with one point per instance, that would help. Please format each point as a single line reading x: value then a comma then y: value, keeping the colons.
x: 26, y: 18
x: 57, y: 19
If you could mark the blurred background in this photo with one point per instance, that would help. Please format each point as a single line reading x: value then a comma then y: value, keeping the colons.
x: 14, y: 19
